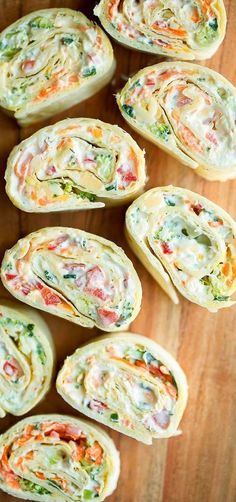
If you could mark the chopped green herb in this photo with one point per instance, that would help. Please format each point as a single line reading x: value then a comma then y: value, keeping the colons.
x: 40, y: 22
x: 54, y: 460
x: 214, y: 24
x: 33, y: 487
x: 111, y: 187
x: 129, y: 110
x: 221, y: 298
x: 185, y: 232
x: 49, y: 276
x: 88, y: 72
x: 67, y: 40
x: 169, y: 202
x: 162, y: 131
x: 127, y: 311
x: 105, y: 165
x: 85, y: 195
x: 137, y: 83
x: 29, y: 330
x: 69, y: 276
x: 41, y: 354
x: 114, y: 417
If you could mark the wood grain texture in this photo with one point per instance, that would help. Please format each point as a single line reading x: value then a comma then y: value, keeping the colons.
x: 200, y: 465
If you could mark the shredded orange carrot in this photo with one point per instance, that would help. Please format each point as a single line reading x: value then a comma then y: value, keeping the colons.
x: 95, y: 131
x: 40, y: 475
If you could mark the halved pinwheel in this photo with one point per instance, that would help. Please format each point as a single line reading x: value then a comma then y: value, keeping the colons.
x: 26, y: 358
x: 187, y: 241
x: 75, y: 164
x: 128, y: 382
x: 192, y: 29
x: 58, y: 458
x: 75, y: 275
x: 187, y: 110
x: 50, y: 60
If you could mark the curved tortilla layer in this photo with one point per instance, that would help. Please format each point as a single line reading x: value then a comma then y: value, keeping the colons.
x: 187, y: 241
x: 128, y: 382
x: 58, y: 458
x: 26, y: 358
x: 173, y: 28
x: 50, y: 60
x: 75, y: 164
x: 188, y: 111
x: 76, y: 275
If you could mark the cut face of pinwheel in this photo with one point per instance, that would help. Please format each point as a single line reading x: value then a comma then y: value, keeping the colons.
x: 187, y: 241
x: 188, y: 111
x: 26, y: 358
x: 128, y: 382
x: 75, y: 164
x: 76, y: 275
x: 191, y: 29
x: 58, y: 458
x: 50, y: 60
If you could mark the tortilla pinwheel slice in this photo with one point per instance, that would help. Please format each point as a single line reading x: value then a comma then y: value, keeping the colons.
x: 58, y: 457
x: 26, y: 358
x: 76, y: 275
x: 187, y: 110
x: 175, y: 28
x: 75, y: 164
x: 187, y: 241
x: 128, y: 382
x: 50, y: 60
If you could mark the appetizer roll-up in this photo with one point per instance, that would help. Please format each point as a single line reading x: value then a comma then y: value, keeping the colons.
x: 191, y: 29
x: 76, y: 275
x: 58, y: 458
x: 26, y: 358
x: 50, y: 60
x: 188, y: 111
x: 127, y: 382
x: 75, y: 164
x: 186, y: 241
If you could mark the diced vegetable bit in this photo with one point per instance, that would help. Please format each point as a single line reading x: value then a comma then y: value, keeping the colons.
x: 206, y: 32
x: 222, y: 93
x: 29, y: 330
x: 169, y: 201
x: 111, y: 187
x: 148, y: 358
x: 67, y: 40
x: 54, y: 460
x: 40, y: 22
x: 114, y: 417
x: 137, y: 83
x: 49, y: 276
x: 88, y: 494
x: 221, y: 298
x: 214, y: 285
x: 162, y: 131
x: 105, y: 165
x: 88, y: 72
x: 69, y: 276
x: 134, y: 353
x: 41, y: 354
x: 213, y: 23
x: 129, y: 110
x: 68, y: 187
x: 33, y: 487
x: 85, y: 195
x: 9, y: 52
x: 127, y: 311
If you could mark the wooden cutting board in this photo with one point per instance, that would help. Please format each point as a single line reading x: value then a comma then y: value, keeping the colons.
x: 200, y: 465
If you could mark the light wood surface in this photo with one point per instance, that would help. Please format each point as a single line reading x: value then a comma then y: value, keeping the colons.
x: 200, y: 465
